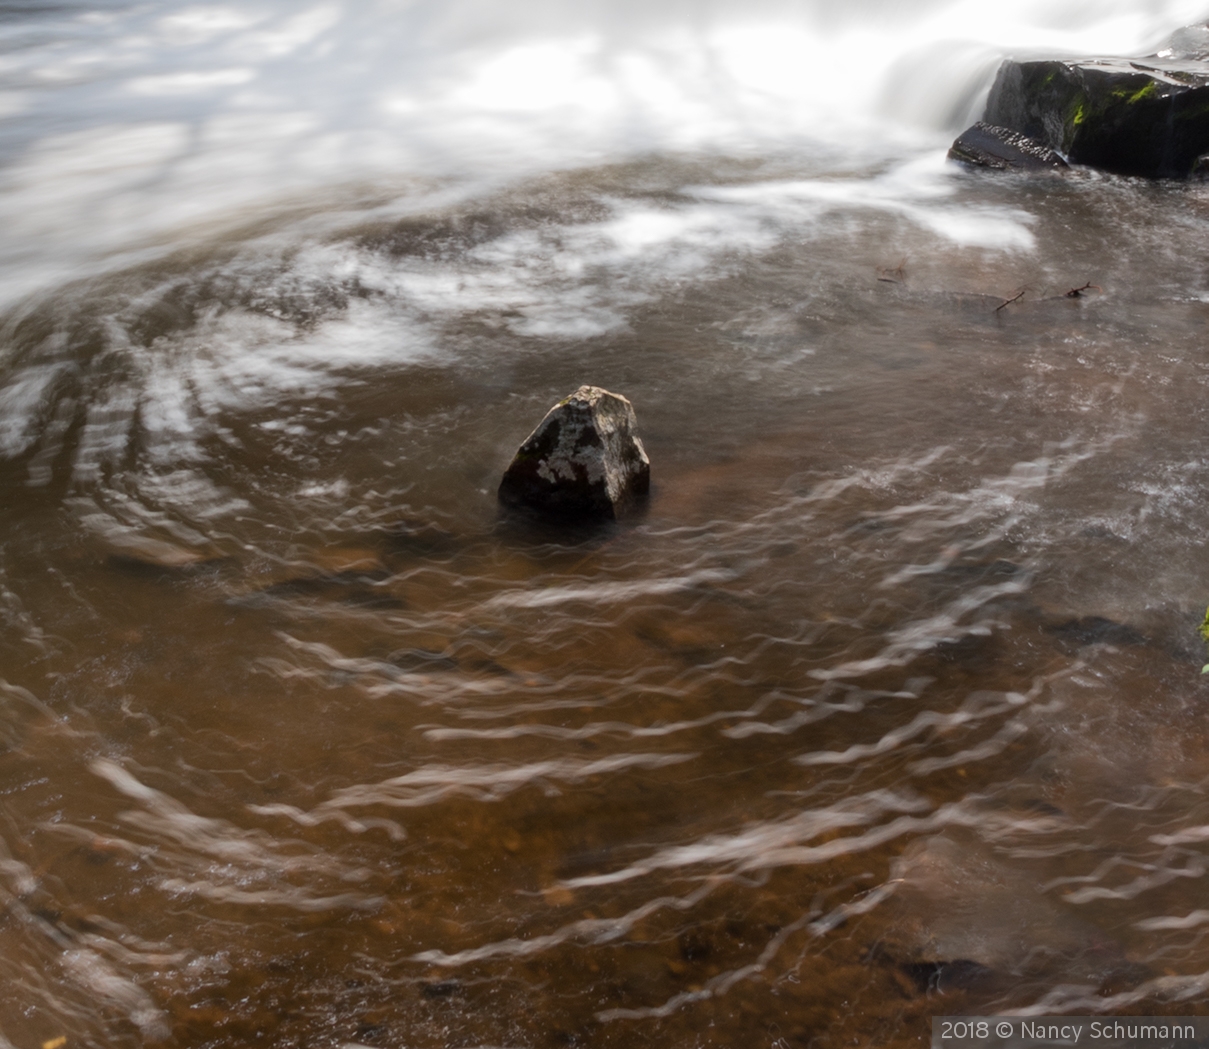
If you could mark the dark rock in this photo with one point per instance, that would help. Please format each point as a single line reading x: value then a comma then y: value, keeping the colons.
x: 583, y: 460
x: 1097, y: 630
x: 988, y: 146
x: 1148, y: 117
x: 945, y: 977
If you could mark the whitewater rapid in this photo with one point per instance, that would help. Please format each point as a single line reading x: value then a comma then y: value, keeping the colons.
x: 125, y: 127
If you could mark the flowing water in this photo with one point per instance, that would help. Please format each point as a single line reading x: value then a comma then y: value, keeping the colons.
x: 889, y: 705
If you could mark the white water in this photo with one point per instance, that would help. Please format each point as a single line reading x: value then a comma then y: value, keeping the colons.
x: 129, y: 126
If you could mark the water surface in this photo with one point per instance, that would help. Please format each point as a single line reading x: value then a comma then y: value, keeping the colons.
x: 889, y: 706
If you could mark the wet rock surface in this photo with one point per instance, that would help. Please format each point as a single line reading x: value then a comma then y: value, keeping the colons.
x: 582, y: 461
x: 1000, y: 149
x: 1147, y: 117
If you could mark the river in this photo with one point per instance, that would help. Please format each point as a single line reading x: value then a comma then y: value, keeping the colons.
x: 888, y: 706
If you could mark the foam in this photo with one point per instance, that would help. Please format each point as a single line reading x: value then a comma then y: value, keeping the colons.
x: 164, y: 117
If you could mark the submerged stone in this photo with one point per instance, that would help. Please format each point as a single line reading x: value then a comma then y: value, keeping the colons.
x: 1147, y: 118
x: 583, y: 460
x: 944, y: 977
x: 1096, y: 630
x: 988, y: 146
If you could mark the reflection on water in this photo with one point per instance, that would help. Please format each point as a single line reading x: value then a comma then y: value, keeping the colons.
x: 889, y: 706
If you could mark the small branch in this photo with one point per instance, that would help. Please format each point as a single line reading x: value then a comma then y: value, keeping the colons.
x: 892, y: 276
x: 1015, y: 298
x: 1077, y: 293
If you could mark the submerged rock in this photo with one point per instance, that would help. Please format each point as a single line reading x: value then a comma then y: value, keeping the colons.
x: 1096, y: 630
x: 966, y: 916
x: 943, y: 977
x: 583, y: 460
x: 988, y: 146
x: 1146, y: 117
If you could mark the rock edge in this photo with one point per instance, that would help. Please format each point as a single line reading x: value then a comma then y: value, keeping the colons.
x: 1001, y: 149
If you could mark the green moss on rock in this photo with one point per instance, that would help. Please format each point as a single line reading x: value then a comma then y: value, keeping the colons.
x: 1126, y: 117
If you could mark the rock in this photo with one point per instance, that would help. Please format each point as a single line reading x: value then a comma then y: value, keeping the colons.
x: 988, y: 146
x: 583, y: 460
x: 1096, y: 630
x: 944, y: 977
x: 1146, y: 117
x: 966, y: 916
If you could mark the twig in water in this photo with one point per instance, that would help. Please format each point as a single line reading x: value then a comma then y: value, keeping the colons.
x: 1077, y: 293
x: 1015, y: 298
x: 892, y: 276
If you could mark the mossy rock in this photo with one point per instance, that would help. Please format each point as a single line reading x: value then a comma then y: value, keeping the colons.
x: 1148, y: 118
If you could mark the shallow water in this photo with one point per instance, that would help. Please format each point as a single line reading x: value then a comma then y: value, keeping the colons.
x: 889, y: 706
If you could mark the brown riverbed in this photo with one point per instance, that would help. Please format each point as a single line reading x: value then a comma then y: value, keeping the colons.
x: 889, y: 707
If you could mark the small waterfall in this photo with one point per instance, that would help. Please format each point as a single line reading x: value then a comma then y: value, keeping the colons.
x: 125, y: 123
